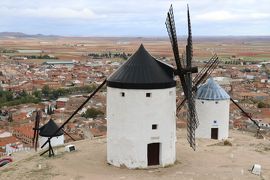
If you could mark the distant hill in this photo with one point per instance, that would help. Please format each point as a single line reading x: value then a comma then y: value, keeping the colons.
x: 181, y: 38
x: 23, y: 35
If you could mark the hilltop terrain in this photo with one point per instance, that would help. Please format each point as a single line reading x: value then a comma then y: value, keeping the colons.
x: 211, y: 160
x: 244, y: 72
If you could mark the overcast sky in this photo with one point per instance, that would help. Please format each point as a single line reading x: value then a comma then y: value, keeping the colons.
x: 134, y: 17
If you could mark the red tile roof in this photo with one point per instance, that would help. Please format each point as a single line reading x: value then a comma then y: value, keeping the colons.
x: 8, y: 140
x: 26, y: 130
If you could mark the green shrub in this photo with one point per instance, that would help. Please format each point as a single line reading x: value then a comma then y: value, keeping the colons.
x: 92, y: 113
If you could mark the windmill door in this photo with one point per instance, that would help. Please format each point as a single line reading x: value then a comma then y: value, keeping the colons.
x: 214, y: 133
x: 153, y: 154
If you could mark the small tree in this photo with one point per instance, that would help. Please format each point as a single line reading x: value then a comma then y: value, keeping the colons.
x: 92, y: 113
x: 10, y: 117
x: 9, y: 96
x: 37, y: 94
x: 23, y: 93
x: 46, y: 90
x: 263, y: 105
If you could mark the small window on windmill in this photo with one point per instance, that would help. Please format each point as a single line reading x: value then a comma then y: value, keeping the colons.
x: 216, y: 102
x: 148, y: 94
x: 202, y: 102
x: 122, y: 94
x: 154, y: 126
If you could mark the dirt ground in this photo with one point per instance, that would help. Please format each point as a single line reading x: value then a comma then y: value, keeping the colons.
x: 211, y: 160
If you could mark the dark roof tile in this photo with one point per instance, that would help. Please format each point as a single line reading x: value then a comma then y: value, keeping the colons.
x: 49, y: 128
x: 142, y: 71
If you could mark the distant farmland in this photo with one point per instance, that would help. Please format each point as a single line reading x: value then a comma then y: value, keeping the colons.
x: 67, y: 48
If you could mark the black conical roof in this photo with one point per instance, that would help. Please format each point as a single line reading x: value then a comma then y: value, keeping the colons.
x: 142, y: 71
x: 49, y: 128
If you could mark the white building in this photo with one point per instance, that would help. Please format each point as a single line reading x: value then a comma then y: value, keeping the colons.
x: 141, y: 105
x: 4, y: 134
x: 10, y: 144
x: 212, y: 105
x: 47, y: 131
x: 58, y: 64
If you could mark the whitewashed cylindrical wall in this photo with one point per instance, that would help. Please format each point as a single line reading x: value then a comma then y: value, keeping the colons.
x: 55, y: 141
x: 130, y: 116
x: 212, y: 114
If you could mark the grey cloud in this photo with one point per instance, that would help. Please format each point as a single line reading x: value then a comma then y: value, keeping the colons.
x: 145, y: 17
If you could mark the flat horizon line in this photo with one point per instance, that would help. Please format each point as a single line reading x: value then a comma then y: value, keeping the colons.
x: 22, y: 34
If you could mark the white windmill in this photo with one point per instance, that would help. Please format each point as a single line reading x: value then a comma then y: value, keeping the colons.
x: 213, y: 106
x: 141, y: 109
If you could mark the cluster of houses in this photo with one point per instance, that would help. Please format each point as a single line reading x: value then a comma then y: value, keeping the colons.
x: 18, y: 76
x: 248, y: 84
x: 17, y: 134
x: 16, y: 122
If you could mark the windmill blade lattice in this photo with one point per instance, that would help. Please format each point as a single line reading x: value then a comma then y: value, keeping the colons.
x: 170, y: 25
x: 185, y: 74
x: 200, y: 78
x: 189, y: 48
x: 206, y: 70
x: 192, y: 122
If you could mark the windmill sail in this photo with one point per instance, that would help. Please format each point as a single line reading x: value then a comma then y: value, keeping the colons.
x: 170, y: 25
x: 246, y: 114
x: 192, y: 122
x: 184, y: 73
x: 201, y: 78
x: 189, y: 48
x: 206, y: 70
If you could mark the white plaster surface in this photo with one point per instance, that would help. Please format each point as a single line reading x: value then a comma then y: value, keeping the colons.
x: 129, y: 126
x: 55, y: 141
x: 209, y: 111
